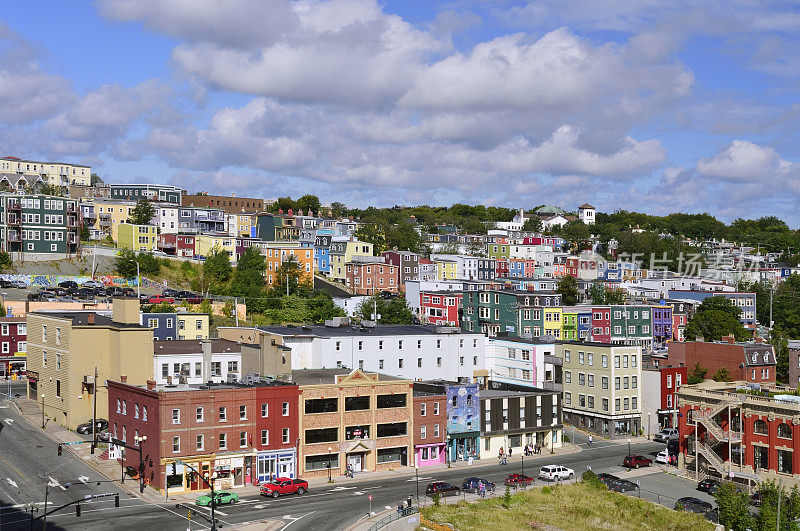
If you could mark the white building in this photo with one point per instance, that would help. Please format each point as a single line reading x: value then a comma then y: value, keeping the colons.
x: 414, y: 287
x: 522, y: 362
x: 350, y: 304
x: 414, y: 352
x: 586, y: 213
x: 196, y: 362
x: 166, y: 219
x: 466, y: 266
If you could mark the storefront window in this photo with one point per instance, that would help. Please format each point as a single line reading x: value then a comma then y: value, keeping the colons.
x: 321, y: 462
x: 388, y: 455
x: 356, y: 432
x: 785, y: 461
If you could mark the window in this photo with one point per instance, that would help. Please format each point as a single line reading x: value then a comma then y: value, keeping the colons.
x: 617, y: 383
x: 264, y: 411
x: 436, y: 408
x: 760, y: 427
x: 199, y: 414
x: 200, y: 441
x: 617, y: 402
x: 243, y: 412
x: 400, y: 363
x: 223, y: 414
x: 605, y: 404
x: 625, y: 383
x: 164, y: 370
x: 176, y: 416
x: 422, y: 408
x: 633, y: 360
x: 233, y: 366
x: 355, y: 403
x: 321, y: 405
x: 393, y: 429
x: 566, y: 356
x: 590, y: 380
x: 176, y: 444
x: 626, y: 401
x: 285, y: 435
x: 590, y: 358
x: 669, y: 381
x: 242, y: 439
x: 264, y: 437
x: 580, y: 357
x: 581, y: 378
x: 567, y: 398
x: 785, y: 461
x: 633, y: 382
x: 423, y: 432
x: 391, y: 401
x: 119, y: 406
x: 285, y: 409
x: 58, y: 388
x: 322, y: 435
x: 625, y: 362
x: 144, y: 413
x: 389, y: 455
x: 216, y: 368
x: 604, y: 360
x: 784, y: 430
x: 634, y: 402
x: 567, y: 376
x: 223, y: 441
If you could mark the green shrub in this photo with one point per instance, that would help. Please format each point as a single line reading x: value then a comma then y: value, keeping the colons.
x: 507, y: 498
x: 591, y: 479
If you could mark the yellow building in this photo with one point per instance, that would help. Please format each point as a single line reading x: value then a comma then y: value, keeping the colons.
x: 343, y: 251
x: 275, y: 253
x: 140, y: 238
x: 240, y: 224
x: 110, y: 214
x: 54, y: 173
x: 64, y: 348
x: 193, y: 325
x: 553, y: 321
x: 205, y: 244
x: 446, y: 269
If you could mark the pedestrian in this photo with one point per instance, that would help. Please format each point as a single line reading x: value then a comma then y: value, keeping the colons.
x: 500, y: 454
x: 409, y: 501
x: 399, y: 507
x: 510, y: 450
x: 482, y: 489
x: 590, y: 440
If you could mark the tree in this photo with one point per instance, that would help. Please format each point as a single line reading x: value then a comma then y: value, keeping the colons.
x: 394, y: 310
x: 84, y: 233
x: 473, y: 226
x: 125, y: 263
x: 697, y: 375
x: 218, y: 266
x: 142, y: 213
x: 568, y: 288
x: 767, y: 518
x: 533, y: 224
x: 51, y: 189
x: 404, y: 237
x: 714, y: 318
x: 780, y: 342
x: 95, y: 180
x: 733, y: 507
x: 309, y: 202
x: 148, y: 264
x: 287, y: 276
x: 5, y: 260
x: 616, y: 296
x: 722, y: 375
x: 373, y: 232
x: 338, y: 209
x: 162, y: 307
x: 597, y: 292
x: 786, y: 306
x: 248, y: 279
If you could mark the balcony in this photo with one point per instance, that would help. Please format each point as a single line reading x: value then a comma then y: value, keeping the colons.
x: 72, y: 238
x: 552, y: 386
x: 14, y: 236
x: 72, y: 208
x: 72, y: 222
x: 555, y: 360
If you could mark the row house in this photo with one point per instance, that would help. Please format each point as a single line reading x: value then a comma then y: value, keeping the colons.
x: 229, y: 434
x: 344, y: 249
x: 521, y: 268
x: 178, y: 244
x: 511, y: 419
x: 415, y: 288
x: 139, y: 238
x: 13, y: 344
x: 241, y: 224
x: 277, y: 227
x: 407, y: 263
x: 162, y: 193
x: 370, y: 275
x: 487, y: 269
x: 523, y: 363
x: 660, y: 403
x: 427, y: 271
x: 207, y: 243
x: 440, y: 307
x: 242, y: 243
x: 623, y: 324
x: 520, y: 313
x: 502, y: 268
x: 662, y: 325
x: 497, y: 247
x: 109, y: 215
x: 176, y: 326
x: 745, y: 301
x: 275, y: 253
x: 752, y: 362
x: 322, y: 248
x: 53, y: 173
x: 39, y: 226
x: 430, y: 426
x: 577, y: 323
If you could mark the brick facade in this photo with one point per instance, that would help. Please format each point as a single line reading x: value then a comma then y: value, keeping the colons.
x: 736, y: 357
x: 430, y: 427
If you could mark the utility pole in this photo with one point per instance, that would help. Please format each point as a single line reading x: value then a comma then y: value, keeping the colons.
x: 42, y: 410
x: 236, y: 310
x: 94, y: 410
x: 770, y: 309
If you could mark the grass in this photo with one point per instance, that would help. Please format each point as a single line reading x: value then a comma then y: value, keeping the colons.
x: 569, y: 507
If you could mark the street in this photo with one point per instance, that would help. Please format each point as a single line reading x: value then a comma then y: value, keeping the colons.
x: 29, y: 462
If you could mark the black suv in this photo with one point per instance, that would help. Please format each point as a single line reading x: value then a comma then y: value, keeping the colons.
x: 694, y: 505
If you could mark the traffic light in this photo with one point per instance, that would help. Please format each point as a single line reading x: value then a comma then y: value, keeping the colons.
x: 60, y: 450
x: 77, y: 509
x: 116, y: 500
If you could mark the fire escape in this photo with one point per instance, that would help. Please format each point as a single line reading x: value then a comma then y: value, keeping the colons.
x: 715, y: 437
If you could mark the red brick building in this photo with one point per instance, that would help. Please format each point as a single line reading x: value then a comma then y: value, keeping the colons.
x: 177, y: 244
x: 13, y: 344
x: 750, y: 362
x: 370, y: 278
x: 501, y: 268
x: 753, y: 437
x: 227, y: 433
x: 406, y: 261
x: 672, y: 378
x: 440, y: 307
x: 430, y: 425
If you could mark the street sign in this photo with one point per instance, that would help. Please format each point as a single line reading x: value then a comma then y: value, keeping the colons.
x: 369, y: 497
x: 14, y: 376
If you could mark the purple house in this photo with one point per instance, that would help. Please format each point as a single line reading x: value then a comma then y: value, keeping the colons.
x: 662, y: 326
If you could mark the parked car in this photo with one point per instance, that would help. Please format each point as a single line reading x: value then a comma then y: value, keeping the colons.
x: 703, y: 508
x: 664, y: 456
x: 471, y: 484
x: 442, y: 489
x: 556, y: 472
x: 94, y: 284
x: 158, y: 299
x: 169, y: 292
x: 68, y: 284
x: 128, y: 292
x: 19, y: 284
x: 609, y: 480
x: 132, y: 471
x: 222, y: 497
x: 190, y: 297
x: 56, y: 291
x: 666, y: 435
x: 104, y: 436
x: 518, y: 480
x: 635, y: 461
x: 279, y: 486
x: 114, y: 291
x: 709, y: 485
x: 86, y: 427
x: 755, y: 499
x: 84, y: 293
x: 5, y: 283
x: 623, y: 485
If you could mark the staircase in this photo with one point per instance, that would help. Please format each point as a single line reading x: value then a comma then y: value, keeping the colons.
x: 706, y: 419
x: 104, y: 455
x: 712, y: 457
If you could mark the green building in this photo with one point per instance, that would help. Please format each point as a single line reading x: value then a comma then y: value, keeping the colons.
x: 38, y: 227
x: 517, y: 313
x: 152, y: 192
x: 497, y: 247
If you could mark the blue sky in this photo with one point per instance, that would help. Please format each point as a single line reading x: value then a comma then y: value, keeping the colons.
x: 653, y: 106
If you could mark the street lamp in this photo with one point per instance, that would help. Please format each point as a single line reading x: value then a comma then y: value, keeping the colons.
x: 629, y: 446
x: 139, y: 439
x: 329, y: 464
x: 447, y: 455
x: 138, y: 281
x: 42, y: 410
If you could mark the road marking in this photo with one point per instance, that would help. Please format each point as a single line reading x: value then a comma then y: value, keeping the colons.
x: 421, y: 478
x: 216, y: 510
x: 54, y: 483
x: 293, y: 520
x: 341, y: 488
x: 83, y: 479
x: 8, y: 421
x: 12, y: 482
x: 14, y: 468
x: 370, y: 488
x: 259, y: 506
x: 358, y: 493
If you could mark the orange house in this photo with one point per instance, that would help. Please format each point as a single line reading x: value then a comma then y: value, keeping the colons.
x: 275, y: 255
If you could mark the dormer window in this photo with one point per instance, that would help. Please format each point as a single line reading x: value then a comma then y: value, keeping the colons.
x: 766, y: 357
x: 755, y: 357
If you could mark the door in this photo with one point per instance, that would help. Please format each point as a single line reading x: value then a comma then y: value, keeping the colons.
x: 356, y: 462
x: 283, y: 469
x: 404, y: 457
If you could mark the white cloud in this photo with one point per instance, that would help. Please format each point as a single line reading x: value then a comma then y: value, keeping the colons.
x: 743, y: 161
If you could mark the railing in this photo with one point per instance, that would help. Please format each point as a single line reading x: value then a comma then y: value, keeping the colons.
x: 389, y: 518
x: 555, y: 360
x: 552, y: 386
x: 705, y: 418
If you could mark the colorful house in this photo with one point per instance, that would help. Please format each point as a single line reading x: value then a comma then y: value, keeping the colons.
x: 276, y: 253
x: 440, y: 307
x: 446, y: 269
x: 140, y: 238
x: 342, y: 250
x: 553, y: 322
x: 206, y: 244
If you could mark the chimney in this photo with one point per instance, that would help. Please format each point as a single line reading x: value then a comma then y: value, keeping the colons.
x: 729, y: 339
x: 90, y: 319
x: 125, y: 310
x: 123, y: 378
x: 206, y: 344
x: 151, y: 385
x: 760, y: 340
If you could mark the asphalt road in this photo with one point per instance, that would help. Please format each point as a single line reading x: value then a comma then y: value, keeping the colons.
x: 29, y: 461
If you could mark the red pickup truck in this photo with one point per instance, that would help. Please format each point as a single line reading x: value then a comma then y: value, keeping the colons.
x: 279, y: 486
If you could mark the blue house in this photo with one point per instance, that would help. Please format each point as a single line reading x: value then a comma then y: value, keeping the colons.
x: 463, y: 421
x: 322, y: 247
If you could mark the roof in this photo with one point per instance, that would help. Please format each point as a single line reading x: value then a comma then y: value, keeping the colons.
x: 194, y: 346
x: 82, y: 319
x: 328, y: 376
x: 547, y: 209
x: 341, y: 331
x: 15, y: 159
x: 496, y: 393
x: 586, y: 205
